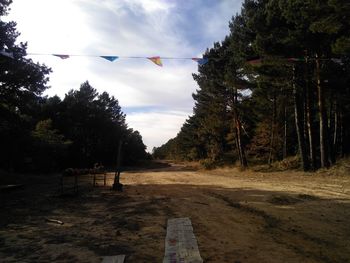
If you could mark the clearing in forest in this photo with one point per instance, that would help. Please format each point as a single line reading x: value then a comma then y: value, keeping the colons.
x: 236, y: 217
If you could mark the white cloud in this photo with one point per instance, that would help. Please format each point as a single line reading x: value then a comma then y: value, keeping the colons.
x: 126, y: 28
x: 153, y: 5
x: 157, y: 127
x: 50, y: 26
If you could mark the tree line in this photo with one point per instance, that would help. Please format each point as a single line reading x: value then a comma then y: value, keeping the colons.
x: 278, y: 85
x: 40, y: 133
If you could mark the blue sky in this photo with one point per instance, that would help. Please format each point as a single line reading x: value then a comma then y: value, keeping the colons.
x: 157, y: 100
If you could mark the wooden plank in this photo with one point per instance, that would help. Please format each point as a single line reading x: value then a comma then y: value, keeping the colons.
x: 180, y: 242
x: 114, y: 259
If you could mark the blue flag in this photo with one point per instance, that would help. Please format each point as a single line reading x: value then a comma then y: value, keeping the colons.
x: 201, y: 61
x: 110, y: 58
x: 6, y: 54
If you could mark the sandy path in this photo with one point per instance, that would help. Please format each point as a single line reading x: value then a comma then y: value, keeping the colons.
x: 237, y: 217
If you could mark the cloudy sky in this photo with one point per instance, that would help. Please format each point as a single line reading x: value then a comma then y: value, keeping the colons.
x: 157, y: 100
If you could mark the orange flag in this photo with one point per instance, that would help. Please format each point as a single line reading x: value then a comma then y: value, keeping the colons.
x: 156, y: 60
x: 255, y: 62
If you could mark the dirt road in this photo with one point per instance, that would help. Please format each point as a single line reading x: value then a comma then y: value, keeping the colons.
x: 237, y: 217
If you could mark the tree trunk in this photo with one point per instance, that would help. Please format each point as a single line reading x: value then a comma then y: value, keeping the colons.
x: 303, y: 103
x: 310, y: 128
x: 335, y: 129
x: 331, y: 129
x: 238, y: 129
x: 309, y: 119
x: 273, y: 125
x: 299, y: 125
x: 235, y: 131
x: 341, y: 135
x: 236, y: 140
x: 322, y: 118
x: 285, y: 133
x: 240, y: 146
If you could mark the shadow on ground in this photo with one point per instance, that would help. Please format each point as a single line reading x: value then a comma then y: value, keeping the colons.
x: 231, y: 225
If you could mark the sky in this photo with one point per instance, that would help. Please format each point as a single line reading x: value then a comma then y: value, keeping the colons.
x: 156, y: 100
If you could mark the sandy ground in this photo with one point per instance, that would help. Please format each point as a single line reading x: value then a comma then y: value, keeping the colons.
x: 237, y: 217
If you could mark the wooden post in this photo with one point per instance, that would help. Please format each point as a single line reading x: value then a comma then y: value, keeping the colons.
x: 117, y: 185
x: 62, y: 184
x: 76, y: 183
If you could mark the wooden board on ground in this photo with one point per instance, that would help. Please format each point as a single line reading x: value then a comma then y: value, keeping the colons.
x: 180, y: 242
x: 114, y: 259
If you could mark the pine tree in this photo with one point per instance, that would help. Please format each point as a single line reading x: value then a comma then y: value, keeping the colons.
x: 21, y: 83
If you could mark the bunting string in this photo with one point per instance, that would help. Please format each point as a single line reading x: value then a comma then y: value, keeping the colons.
x: 260, y: 61
x: 157, y: 60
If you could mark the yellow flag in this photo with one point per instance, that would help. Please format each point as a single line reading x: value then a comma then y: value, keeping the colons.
x: 156, y: 60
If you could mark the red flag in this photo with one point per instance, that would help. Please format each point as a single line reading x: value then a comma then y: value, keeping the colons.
x: 255, y: 62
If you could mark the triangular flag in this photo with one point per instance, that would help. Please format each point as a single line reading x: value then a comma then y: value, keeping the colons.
x: 6, y: 54
x: 110, y: 58
x: 156, y: 60
x: 337, y: 60
x: 255, y: 62
x: 201, y: 61
x: 61, y: 56
x: 296, y: 59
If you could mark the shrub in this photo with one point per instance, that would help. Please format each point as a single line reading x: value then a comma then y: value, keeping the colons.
x: 207, y: 164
